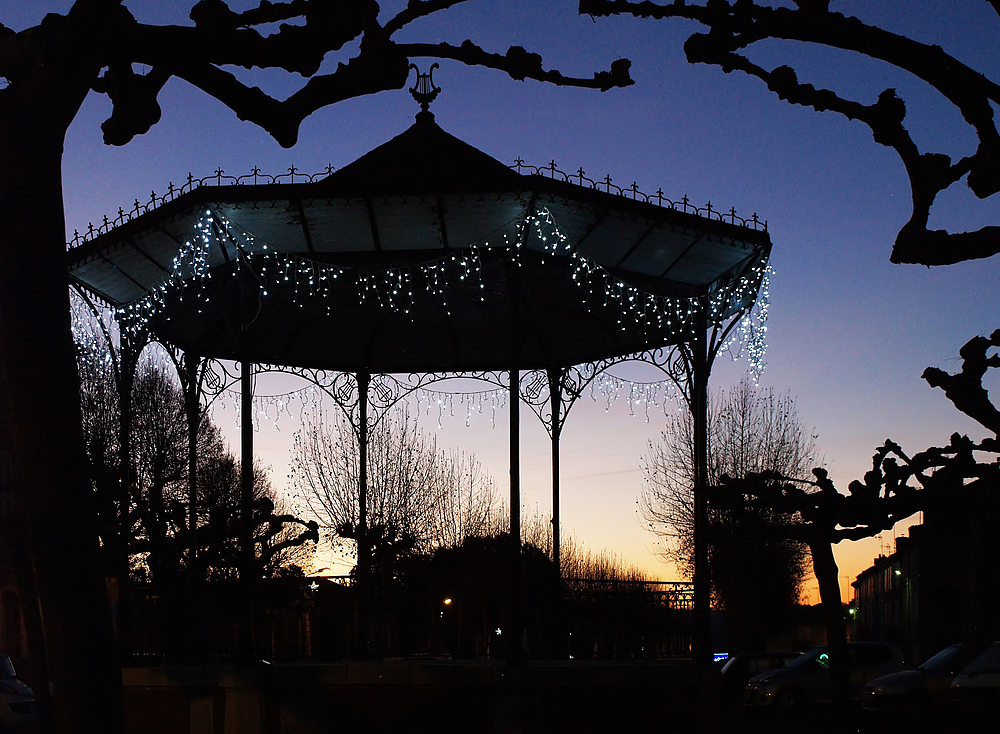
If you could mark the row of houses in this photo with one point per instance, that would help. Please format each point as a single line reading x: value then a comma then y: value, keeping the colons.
x: 940, y: 585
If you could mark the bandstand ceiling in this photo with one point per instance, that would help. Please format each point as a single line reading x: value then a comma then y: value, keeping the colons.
x: 424, y: 255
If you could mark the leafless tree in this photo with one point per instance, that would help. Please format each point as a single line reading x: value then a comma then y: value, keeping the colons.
x: 419, y: 497
x: 471, y: 503
x: 283, y: 543
x: 154, y: 526
x: 46, y: 73
x: 576, y: 559
x: 733, y: 28
x: 750, y: 431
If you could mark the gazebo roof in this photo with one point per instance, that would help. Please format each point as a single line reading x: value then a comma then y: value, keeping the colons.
x: 424, y: 255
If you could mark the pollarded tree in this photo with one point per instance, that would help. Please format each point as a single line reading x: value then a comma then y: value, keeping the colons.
x: 734, y: 28
x: 755, y: 572
x: 896, y: 488
x: 46, y: 73
x: 283, y: 543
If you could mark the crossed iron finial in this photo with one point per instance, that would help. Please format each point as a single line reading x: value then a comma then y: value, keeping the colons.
x: 424, y: 91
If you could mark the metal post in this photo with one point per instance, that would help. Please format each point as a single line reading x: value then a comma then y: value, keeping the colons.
x: 193, y: 414
x: 515, y: 631
x: 515, y: 460
x: 555, y: 398
x: 701, y: 640
x: 246, y: 469
x: 246, y: 555
x: 363, y: 544
x: 364, y: 379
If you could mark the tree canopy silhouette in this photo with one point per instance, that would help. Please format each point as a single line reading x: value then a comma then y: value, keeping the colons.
x: 734, y: 27
x: 756, y: 570
x: 420, y: 497
x: 897, y: 487
x: 46, y: 73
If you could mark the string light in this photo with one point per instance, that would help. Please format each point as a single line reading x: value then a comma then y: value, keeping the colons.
x: 400, y: 289
x: 610, y: 389
x: 744, y: 296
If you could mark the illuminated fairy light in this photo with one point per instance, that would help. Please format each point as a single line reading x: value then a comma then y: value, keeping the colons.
x: 397, y: 289
x: 473, y: 403
x: 749, y: 338
x: 640, y: 395
x: 272, y: 409
x: 400, y: 289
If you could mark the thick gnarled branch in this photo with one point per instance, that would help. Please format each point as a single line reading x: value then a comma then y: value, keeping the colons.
x: 520, y: 64
x: 739, y: 25
x: 965, y: 388
x: 222, y: 37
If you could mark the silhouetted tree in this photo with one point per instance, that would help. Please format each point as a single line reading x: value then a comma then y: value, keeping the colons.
x: 283, y: 543
x: 734, y: 27
x: 576, y: 559
x: 154, y: 524
x: 897, y: 487
x: 46, y: 72
x: 756, y: 571
x: 477, y: 615
x: 419, y: 497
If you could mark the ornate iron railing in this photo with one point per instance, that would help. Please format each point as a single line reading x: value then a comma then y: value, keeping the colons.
x: 294, y: 175
x: 219, y: 178
x: 632, y: 192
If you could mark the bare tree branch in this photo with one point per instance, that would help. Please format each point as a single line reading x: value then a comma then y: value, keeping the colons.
x: 965, y: 389
x: 221, y: 37
x: 418, y: 9
x: 521, y: 64
x: 736, y: 26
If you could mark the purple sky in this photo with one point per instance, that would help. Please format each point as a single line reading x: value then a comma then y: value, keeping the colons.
x: 849, y: 333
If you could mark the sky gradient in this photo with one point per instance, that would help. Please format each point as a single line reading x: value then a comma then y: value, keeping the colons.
x: 849, y: 333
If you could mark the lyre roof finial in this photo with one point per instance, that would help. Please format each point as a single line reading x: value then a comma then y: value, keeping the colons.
x: 424, y: 91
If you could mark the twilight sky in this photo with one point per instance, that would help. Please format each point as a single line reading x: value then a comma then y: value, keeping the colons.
x: 849, y: 333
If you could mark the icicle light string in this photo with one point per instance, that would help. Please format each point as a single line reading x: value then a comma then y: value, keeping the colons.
x: 609, y: 389
x: 473, y: 403
x: 272, y: 408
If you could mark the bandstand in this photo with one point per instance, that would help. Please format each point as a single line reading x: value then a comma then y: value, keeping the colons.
x: 426, y: 258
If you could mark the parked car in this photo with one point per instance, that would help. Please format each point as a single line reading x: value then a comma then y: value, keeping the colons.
x: 915, y: 692
x: 17, y: 701
x: 806, y: 679
x: 741, y: 668
x: 976, y: 689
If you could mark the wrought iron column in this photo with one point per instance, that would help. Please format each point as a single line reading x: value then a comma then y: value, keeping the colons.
x: 192, y: 411
x: 555, y: 378
x: 246, y: 469
x: 701, y: 640
x: 364, y: 552
x: 363, y: 545
x: 515, y: 631
x: 515, y: 460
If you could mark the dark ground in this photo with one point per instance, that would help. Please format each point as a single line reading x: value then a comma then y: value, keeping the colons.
x: 825, y: 719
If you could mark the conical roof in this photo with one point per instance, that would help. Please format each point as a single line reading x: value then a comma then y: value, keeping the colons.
x: 422, y: 160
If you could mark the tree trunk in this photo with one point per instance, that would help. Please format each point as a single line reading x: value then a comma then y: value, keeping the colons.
x: 36, y: 346
x: 828, y: 576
